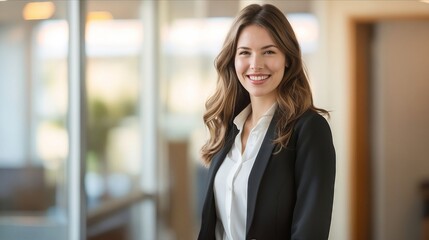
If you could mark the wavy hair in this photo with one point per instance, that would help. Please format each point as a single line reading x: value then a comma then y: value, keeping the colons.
x: 294, y: 95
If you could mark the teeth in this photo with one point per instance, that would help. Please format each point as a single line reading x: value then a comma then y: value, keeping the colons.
x: 258, y: 78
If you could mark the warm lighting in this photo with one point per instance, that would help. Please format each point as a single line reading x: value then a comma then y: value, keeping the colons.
x: 424, y: 1
x: 38, y: 10
x: 99, y: 16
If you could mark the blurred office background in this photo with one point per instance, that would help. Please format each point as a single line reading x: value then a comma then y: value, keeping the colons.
x: 101, y: 105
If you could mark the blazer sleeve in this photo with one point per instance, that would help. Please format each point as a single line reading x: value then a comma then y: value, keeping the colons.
x: 314, y: 179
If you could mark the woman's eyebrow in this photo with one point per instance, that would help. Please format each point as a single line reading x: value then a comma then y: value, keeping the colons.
x: 268, y: 46
x: 264, y: 47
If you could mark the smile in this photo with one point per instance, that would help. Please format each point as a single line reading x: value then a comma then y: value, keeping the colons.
x: 258, y: 77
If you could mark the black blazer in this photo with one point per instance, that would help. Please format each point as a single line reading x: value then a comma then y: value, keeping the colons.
x: 290, y: 193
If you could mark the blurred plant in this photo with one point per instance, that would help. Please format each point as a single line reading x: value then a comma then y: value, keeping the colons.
x: 101, y: 118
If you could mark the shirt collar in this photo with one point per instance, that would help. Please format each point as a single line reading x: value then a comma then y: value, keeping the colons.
x: 240, y: 119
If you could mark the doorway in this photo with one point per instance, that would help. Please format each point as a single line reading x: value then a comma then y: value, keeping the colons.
x: 390, y: 115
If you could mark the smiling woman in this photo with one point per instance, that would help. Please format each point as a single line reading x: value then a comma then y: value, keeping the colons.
x: 281, y: 185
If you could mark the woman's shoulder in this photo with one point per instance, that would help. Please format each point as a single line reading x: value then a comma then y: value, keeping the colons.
x: 311, y: 119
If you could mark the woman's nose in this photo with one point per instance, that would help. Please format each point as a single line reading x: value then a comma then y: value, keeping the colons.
x: 256, y: 63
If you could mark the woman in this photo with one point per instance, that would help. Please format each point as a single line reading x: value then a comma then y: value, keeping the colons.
x: 271, y: 156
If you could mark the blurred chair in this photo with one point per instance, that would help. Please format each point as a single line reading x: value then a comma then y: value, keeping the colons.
x: 25, y: 189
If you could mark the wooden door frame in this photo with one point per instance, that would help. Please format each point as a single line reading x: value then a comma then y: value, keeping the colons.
x: 360, y: 191
x: 361, y: 196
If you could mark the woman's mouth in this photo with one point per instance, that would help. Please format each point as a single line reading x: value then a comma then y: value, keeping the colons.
x: 258, y: 79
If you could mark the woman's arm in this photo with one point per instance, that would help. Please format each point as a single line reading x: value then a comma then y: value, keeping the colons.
x: 314, y: 178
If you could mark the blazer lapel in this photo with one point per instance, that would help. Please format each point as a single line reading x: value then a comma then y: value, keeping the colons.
x: 220, y: 156
x: 258, y: 170
x: 209, y: 209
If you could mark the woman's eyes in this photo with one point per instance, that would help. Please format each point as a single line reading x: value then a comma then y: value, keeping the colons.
x: 244, y: 53
x: 268, y: 52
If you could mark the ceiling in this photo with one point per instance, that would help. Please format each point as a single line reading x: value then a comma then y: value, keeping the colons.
x: 11, y: 10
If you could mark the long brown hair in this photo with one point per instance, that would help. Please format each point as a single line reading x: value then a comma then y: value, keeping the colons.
x: 294, y: 95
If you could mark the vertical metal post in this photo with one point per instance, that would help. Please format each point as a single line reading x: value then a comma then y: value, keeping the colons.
x: 149, y: 115
x: 149, y: 91
x: 76, y: 121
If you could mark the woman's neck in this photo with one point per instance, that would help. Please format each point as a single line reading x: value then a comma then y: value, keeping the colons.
x: 259, y: 108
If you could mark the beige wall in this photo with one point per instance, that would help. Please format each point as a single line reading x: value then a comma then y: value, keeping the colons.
x: 332, y: 68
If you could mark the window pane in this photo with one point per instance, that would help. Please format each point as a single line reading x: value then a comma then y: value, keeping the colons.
x: 113, y: 46
x: 192, y: 36
x: 33, y: 113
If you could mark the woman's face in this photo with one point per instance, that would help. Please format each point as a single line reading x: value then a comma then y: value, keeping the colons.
x: 259, y: 63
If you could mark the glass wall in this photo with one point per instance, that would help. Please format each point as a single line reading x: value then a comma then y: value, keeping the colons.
x: 33, y: 113
x: 115, y: 44
x: 35, y: 157
x: 113, y: 49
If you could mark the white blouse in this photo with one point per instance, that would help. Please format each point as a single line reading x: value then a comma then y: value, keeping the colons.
x: 230, y: 186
